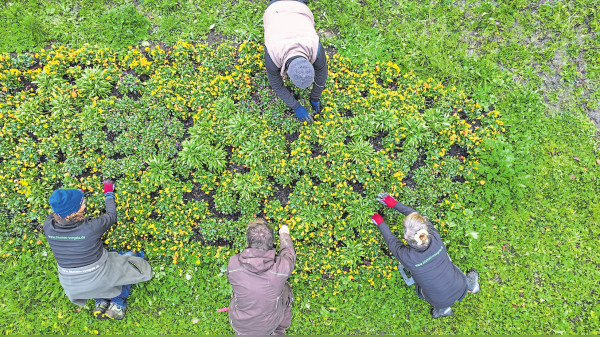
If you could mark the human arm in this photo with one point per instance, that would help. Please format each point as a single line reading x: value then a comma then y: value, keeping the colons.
x: 287, y: 254
x: 276, y: 82
x: 387, y: 200
x: 321, y: 73
x: 104, y: 222
x: 394, y: 244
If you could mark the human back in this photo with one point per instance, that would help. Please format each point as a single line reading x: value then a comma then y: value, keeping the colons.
x: 261, y: 298
x: 440, y: 281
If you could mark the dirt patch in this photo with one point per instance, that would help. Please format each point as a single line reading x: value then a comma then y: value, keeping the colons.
x: 215, y: 38
x: 377, y: 140
x: 282, y: 193
x: 408, y: 179
x: 595, y: 117
x: 457, y: 151
x: 317, y: 151
x: 219, y: 242
x: 291, y: 137
x: 357, y: 187
x: 561, y: 68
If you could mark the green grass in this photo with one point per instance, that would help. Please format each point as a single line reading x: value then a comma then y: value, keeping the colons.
x: 537, y: 217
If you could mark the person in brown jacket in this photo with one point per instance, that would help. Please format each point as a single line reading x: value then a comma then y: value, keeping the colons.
x: 262, y: 298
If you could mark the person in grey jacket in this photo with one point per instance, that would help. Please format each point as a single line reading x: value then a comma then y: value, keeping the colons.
x: 262, y: 298
x: 85, y: 268
x: 437, y: 279
x: 292, y: 48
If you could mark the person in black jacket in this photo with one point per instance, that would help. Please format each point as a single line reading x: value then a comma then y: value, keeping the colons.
x: 85, y: 268
x: 437, y: 280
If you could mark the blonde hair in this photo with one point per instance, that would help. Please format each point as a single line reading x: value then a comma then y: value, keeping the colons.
x: 259, y: 234
x: 416, y: 232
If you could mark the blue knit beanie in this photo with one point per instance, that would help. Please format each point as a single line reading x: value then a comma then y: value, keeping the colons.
x: 301, y: 72
x: 65, y: 202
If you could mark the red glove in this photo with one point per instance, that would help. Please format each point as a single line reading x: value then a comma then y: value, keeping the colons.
x: 386, y: 199
x: 109, y: 186
x: 377, y: 219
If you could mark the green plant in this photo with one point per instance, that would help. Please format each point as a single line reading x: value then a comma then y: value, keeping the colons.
x: 91, y: 117
x: 241, y: 128
x: 500, y: 168
x: 28, y: 111
x: 360, y: 150
x: 47, y: 83
x: 414, y: 128
x: 95, y: 82
x: 160, y: 171
x: 196, y: 153
x: 61, y: 105
x: 119, y: 26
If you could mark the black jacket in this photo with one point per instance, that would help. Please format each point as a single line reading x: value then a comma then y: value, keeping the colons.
x: 78, y: 244
x: 441, y: 282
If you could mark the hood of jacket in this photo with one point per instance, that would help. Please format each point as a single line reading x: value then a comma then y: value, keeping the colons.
x: 419, y: 249
x: 256, y: 260
x: 65, y: 225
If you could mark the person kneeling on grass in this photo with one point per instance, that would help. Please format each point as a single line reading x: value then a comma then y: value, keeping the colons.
x: 262, y: 298
x: 85, y: 268
x: 437, y: 280
x: 292, y: 48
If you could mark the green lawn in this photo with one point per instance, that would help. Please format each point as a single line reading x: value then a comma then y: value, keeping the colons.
x: 527, y: 217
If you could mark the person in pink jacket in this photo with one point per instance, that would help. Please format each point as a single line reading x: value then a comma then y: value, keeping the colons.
x: 262, y: 298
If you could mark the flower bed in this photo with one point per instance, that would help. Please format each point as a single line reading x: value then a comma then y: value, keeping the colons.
x: 199, y: 145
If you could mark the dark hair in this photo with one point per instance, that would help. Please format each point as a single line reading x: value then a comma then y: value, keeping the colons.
x: 75, y: 217
x: 259, y: 235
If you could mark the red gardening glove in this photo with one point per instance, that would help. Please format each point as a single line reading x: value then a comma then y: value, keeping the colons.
x: 109, y: 186
x: 377, y: 219
x: 386, y: 199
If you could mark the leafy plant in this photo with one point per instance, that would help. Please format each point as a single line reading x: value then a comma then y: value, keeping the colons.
x: 95, y: 82
x: 119, y: 26
x: 28, y: 111
x: 360, y: 150
x: 61, y: 105
x: 47, y: 83
x: 160, y: 171
x: 241, y: 128
x: 91, y: 117
x: 500, y: 169
x: 414, y: 128
x: 197, y: 153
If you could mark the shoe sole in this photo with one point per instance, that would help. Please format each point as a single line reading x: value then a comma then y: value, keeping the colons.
x: 476, y: 289
x: 108, y: 315
x: 99, y: 314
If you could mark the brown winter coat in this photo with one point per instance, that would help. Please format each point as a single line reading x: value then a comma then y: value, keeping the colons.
x: 261, y: 295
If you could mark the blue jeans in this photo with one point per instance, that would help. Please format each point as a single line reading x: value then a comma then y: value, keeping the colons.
x: 120, y: 299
